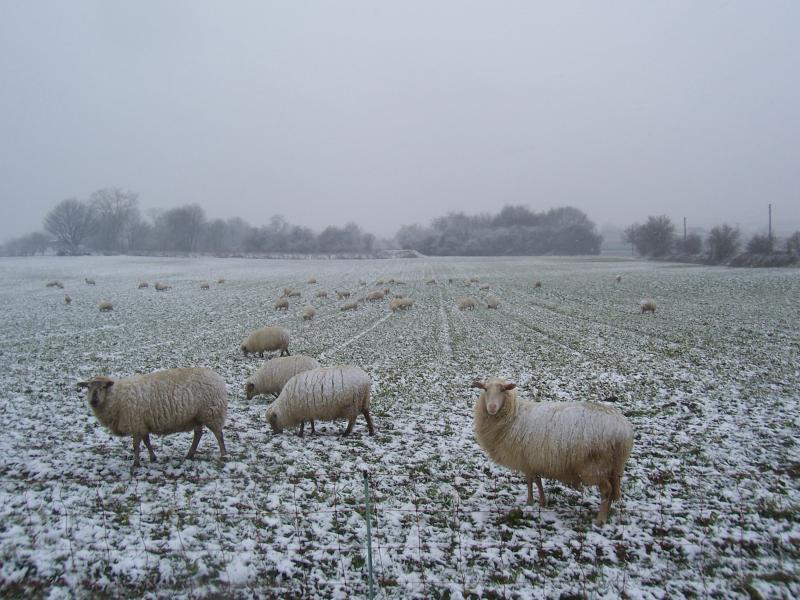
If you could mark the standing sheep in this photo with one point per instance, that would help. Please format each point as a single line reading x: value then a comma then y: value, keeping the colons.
x: 577, y: 443
x: 105, y: 306
x: 282, y: 304
x: 483, y: 286
x: 161, y: 403
x: 308, y: 313
x: 204, y: 285
x: 341, y: 295
x: 376, y: 295
x: 648, y: 306
x: 89, y: 281
x: 327, y: 393
x: 619, y: 278
x: 466, y: 304
x: 273, y: 375
x: 162, y: 287
x: 143, y: 284
x: 537, y: 285
x: 57, y: 284
x: 322, y: 294
x: 349, y: 306
x: 267, y: 339
x: 492, y: 302
x: 400, y: 304
x: 67, y: 299
x: 312, y: 280
x: 220, y: 280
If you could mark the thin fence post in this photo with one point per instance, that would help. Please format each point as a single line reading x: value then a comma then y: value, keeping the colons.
x: 369, y: 538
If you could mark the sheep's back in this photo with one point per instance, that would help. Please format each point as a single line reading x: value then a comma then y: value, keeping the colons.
x: 325, y: 393
x: 273, y: 375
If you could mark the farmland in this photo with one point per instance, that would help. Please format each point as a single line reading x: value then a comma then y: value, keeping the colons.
x: 710, y: 382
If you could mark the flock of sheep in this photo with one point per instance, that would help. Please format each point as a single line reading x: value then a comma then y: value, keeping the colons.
x: 577, y: 443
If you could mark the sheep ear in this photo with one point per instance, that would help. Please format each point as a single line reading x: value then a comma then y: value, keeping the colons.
x: 82, y: 384
x: 509, y: 386
x: 108, y: 384
x: 478, y: 384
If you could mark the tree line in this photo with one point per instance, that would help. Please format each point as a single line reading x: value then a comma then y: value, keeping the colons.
x: 656, y: 238
x: 110, y: 221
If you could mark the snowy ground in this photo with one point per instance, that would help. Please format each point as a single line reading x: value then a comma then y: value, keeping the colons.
x: 711, y: 383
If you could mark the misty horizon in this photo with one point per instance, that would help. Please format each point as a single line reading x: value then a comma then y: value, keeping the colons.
x: 394, y: 115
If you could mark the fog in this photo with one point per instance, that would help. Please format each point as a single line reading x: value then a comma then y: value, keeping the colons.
x: 394, y: 114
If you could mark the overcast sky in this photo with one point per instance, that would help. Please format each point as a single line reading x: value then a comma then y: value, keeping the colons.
x: 393, y: 113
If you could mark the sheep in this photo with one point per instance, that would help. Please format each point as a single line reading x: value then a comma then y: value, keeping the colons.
x: 537, y: 285
x: 308, y: 313
x: 287, y: 291
x: 294, y: 294
x: 648, y: 306
x: 161, y: 403
x: 67, y: 299
x: 273, y: 375
x: 221, y: 280
x: 577, y: 443
x: 376, y: 295
x: 143, y: 284
x: 400, y: 304
x: 89, y: 281
x: 379, y: 282
x: 391, y: 280
x: 342, y: 294
x: 282, y: 304
x: 57, y: 284
x: 430, y: 281
x: 204, y: 285
x: 466, y: 304
x: 474, y: 280
x: 619, y: 278
x: 162, y: 287
x: 361, y: 282
x: 267, y: 339
x: 483, y: 286
x: 322, y: 294
x: 492, y: 302
x: 349, y: 306
x: 312, y: 280
x: 105, y: 306
x: 326, y: 393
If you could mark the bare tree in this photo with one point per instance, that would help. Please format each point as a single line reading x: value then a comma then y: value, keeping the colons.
x: 116, y: 211
x: 180, y: 228
x: 70, y: 221
x: 723, y: 242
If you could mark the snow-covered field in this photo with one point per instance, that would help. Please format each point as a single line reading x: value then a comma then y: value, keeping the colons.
x: 711, y: 383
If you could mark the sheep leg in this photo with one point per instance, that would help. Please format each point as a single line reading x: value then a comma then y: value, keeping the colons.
x: 605, y: 504
x: 149, y: 448
x: 198, y: 431
x: 137, y: 441
x: 370, y: 426
x: 312, y: 427
x: 350, y: 426
x: 302, y: 427
x: 542, y: 499
x: 220, y: 440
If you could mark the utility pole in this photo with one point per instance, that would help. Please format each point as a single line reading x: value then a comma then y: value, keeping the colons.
x: 684, y: 230
x: 770, y: 227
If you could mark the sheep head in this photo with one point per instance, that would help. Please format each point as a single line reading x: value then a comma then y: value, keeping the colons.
x: 494, y: 393
x: 272, y: 418
x: 98, y: 389
x: 250, y: 390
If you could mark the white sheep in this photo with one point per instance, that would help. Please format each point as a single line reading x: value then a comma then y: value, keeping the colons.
x: 57, y: 284
x: 267, y: 339
x: 220, y: 280
x: 400, y: 304
x: 619, y: 278
x: 293, y: 294
x: 67, y: 299
x: 204, y: 285
x: 430, y: 281
x: 308, y: 313
x: 162, y: 287
x: 326, y: 393
x: 105, y: 306
x: 312, y: 280
x: 89, y: 281
x: 492, y: 302
x: 342, y: 294
x: 466, y: 304
x: 287, y: 291
x: 143, y: 284
x: 281, y: 304
x: 376, y: 295
x: 322, y: 294
x: 648, y: 306
x: 537, y: 285
x: 161, y: 403
x: 273, y: 375
x: 577, y: 443
x: 349, y: 306
x: 483, y: 286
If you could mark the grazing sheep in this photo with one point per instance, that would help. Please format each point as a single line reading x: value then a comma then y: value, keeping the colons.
x: 362, y: 282
x: 341, y: 295
x: 89, y: 281
x: 577, y: 443
x: 391, y: 280
x: 161, y: 403
x: 287, y: 291
x: 474, y: 280
x: 220, y: 280
x: 204, y: 285
x: 67, y: 299
x: 308, y: 313
x: 143, y: 284
x: 267, y: 339
x: 294, y: 294
x: 105, y: 306
x: 379, y: 282
x: 322, y: 294
x: 162, y: 287
x: 492, y: 302
x: 648, y: 306
x: 538, y: 284
x: 282, y: 304
x: 400, y: 304
x: 466, y: 304
x: 349, y: 306
x: 326, y: 393
x: 376, y: 295
x: 430, y: 281
x: 273, y: 375
x: 312, y: 280
x: 57, y: 284
x: 619, y: 278
x: 483, y: 286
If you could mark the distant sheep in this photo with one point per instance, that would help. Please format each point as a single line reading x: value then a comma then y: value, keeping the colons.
x: 342, y: 294
x: 466, y: 304
x: 379, y: 282
x: 162, y: 287
x: 105, y: 306
x: 89, y: 281
x: 287, y: 291
x: 349, y: 306
x: 430, y: 281
x: 492, y: 302
x: 267, y: 339
x: 204, y: 285
x: 400, y: 304
x: 67, y: 299
x: 474, y: 280
x: 282, y: 304
x: 57, y: 284
x: 308, y: 313
x: 143, y: 284
x: 312, y: 280
x: 483, y: 286
x: 273, y: 375
x: 220, y: 280
x: 538, y: 284
x: 322, y: 294
x: 329, y: 393
x: 294, y: 294
x: 161, y: 403
x: 577, y: 443
x: 376, y: 295
x: 619, y: 278
x: 648, y: 306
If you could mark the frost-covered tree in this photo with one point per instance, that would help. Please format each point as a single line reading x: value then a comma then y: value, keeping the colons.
x: 70, y: 222
x: 723, y: 242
